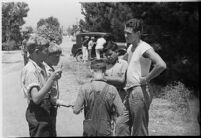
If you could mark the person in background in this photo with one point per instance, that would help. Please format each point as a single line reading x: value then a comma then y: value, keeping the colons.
x: 140, y: 55
x: 36, y: 87
x: 91, y: 44
x: 99, y: 46
x: 98, y: 99
x: 53, y: 59
x: 85, y: 49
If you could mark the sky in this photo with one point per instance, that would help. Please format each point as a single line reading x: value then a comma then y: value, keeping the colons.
x: 68, y: 12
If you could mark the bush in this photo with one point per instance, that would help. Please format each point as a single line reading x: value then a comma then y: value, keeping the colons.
x: 179, y: 95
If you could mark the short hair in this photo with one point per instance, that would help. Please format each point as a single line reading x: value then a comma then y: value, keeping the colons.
x: 36, y: 42
x: 54, y: 49
x: 98, y: 64
x: 135, y: 24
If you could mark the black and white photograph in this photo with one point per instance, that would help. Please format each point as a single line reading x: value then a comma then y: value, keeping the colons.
x: 99, y: 68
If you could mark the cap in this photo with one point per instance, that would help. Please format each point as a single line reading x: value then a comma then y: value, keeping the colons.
x: 98, y: 64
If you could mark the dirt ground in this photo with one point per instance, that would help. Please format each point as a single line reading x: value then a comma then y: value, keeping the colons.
x: 68, y: 124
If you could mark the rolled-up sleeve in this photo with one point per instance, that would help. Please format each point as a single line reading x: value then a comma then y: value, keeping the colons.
x: 79, y: 103
x: 29, y: 80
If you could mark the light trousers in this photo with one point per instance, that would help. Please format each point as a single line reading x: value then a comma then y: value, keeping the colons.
x: 139, y: 101
x: 98, y: 51
x: 84, y: 53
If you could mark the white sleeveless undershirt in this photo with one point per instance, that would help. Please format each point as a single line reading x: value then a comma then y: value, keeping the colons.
x: 138, y: 66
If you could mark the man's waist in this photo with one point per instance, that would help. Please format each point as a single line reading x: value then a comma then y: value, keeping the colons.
x: 129, y: 88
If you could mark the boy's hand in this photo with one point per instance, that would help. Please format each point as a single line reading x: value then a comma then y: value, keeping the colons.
x: 56, y: 74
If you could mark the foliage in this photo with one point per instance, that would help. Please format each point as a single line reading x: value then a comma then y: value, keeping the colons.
x: 179, y: 95
x: 171, y: 28
x: 73, y: 30
x: 12, y: 19
x: 26, y: 31
x: 50, y: 29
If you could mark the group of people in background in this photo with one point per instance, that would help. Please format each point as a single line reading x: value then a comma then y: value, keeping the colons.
x: 87, y: 45
x: 115, y: 102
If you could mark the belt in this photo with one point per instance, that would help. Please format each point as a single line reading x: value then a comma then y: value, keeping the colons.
x: 131, y: 88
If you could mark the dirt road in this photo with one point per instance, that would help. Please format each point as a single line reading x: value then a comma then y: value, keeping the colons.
x: 14, y: 103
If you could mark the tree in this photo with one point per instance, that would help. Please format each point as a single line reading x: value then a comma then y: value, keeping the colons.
x: 50, y: 29
x: 12, y: 19
x: 171, y: 28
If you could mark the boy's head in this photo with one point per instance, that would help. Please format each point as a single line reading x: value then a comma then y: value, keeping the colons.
x: 55, y: 52
x: 111, y: 53
x: 133, y: 29
x: 98, y: 65
x: 37, y: 47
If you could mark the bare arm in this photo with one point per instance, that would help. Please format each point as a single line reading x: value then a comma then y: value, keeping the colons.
x: 159, y: 65
x: 78, y: 103
x: 116, y: 80
x: 37, y: 95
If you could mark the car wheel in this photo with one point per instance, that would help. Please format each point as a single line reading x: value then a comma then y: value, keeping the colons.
x: 79, y: 56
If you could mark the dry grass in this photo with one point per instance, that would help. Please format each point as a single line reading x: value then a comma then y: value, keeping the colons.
x: 174, y: 111
x: 179, y: 95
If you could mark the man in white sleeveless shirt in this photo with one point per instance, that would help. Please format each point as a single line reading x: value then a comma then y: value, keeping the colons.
x: 140, y: 55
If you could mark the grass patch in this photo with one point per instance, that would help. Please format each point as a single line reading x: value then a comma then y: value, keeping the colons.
x: 179, y: 96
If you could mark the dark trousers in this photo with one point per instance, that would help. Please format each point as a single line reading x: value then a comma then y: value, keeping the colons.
x: 41, y: 119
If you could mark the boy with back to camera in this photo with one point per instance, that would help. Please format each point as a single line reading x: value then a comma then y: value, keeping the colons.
x: 98, y: 100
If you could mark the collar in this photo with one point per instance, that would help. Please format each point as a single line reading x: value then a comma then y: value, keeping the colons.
x: 47, y: 67
x: 36, y: 65
x: 131, y: 45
